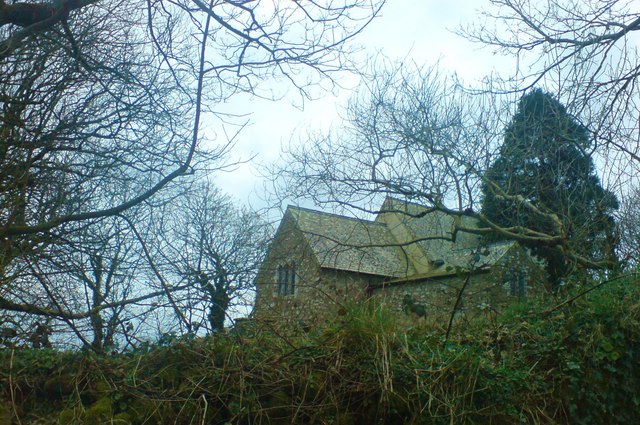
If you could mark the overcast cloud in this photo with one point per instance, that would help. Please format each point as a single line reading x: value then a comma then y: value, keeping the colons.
x: 417, y: 30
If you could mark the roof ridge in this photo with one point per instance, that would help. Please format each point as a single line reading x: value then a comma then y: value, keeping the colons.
x: 392, y: 198
x: 360, y: 220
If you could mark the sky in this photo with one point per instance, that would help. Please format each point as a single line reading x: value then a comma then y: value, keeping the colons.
x: 416, y: 30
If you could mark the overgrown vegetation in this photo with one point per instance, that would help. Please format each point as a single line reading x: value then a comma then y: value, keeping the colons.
x: 578, y: 363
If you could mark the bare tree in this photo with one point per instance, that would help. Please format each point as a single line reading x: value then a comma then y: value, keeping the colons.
x: 101, y: 108
x: 629, y: 228
x: 96, y: 288
x: 98, y: 96
x: 413, y: 133
x: 409, y: 131
x: 584, y: 51
x: 214, y: 249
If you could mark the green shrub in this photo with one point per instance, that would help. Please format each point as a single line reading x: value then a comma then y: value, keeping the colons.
x: 545, y: 361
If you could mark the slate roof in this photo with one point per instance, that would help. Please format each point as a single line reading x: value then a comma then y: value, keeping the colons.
x: 472, y: 256
x: 424, y: 225
x: 350, y: 244
x: 364, y: 246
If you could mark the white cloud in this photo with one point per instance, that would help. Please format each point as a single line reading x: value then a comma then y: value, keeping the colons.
x: 416, y: 30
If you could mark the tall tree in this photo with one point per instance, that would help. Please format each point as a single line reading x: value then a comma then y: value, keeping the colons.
x: 214, y: 249
x: 585, y: 51
x: 544, y: 160
x: 412, y: 133
x: 101, y: 103
x: 101, y: 100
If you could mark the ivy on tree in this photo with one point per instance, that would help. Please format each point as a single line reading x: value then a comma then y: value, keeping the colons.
x: 544, y: 180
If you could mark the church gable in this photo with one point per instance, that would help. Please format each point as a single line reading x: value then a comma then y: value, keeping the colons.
x: 348, y: 244
x: 319, y: 260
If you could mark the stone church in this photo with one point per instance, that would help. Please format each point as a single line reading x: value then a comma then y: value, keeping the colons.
x: 409, y: 258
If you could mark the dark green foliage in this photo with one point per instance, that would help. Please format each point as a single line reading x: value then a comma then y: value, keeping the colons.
x: 579, y: 364
x: 545, y: 159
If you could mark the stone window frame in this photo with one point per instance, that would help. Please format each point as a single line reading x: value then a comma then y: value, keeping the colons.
x: 286, y: 279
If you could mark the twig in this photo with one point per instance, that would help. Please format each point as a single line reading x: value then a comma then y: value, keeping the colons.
x: 586, y: 291
x: 459, y: 298
x: 11, y: 391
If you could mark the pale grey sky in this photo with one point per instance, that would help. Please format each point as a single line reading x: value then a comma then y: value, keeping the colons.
x: 416, y: 30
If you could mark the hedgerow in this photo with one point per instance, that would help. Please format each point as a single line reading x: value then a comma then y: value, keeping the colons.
x: 539, y: 362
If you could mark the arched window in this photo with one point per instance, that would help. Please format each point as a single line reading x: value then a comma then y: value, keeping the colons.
x: 287, y: 279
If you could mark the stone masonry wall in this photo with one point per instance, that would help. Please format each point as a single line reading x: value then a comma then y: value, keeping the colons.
x: 320, y: 293
x: 487, y: 291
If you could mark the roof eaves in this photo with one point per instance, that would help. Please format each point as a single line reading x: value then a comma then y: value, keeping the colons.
x: 427, y: 276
